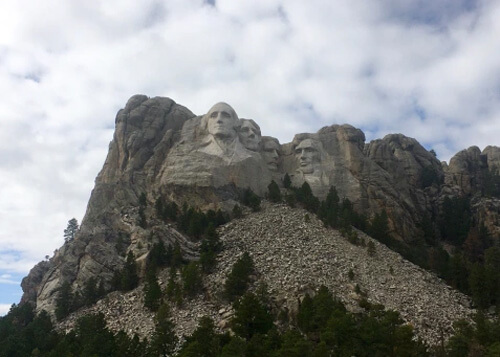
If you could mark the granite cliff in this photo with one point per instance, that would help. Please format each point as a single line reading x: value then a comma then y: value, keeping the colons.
x: 160, y: 149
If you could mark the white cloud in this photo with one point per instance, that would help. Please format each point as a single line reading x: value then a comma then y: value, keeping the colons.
x: 4, y: 309
x: 431, y: 71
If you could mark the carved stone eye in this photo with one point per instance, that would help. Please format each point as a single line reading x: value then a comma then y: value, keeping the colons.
x: 226, y: 115
x: 214, y: 115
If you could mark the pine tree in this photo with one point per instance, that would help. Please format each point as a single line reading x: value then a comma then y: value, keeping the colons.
x: 251, y: 200
x: 210, y: 246
x: 191, y: 279
x: 129, y: 277
x: 70, y: 231
x: 158, y: 255
x: 380, y: 227
x: 287, y: 183
x: 90, y: 292
x: 250, y: 317
x: 152, y: 291
x: 64, y: 301
x: 273, y: 192
x: 371, y: 249
x: 238, y: 279
x: 237, y: 212
x: 164, y: 339
x: 204, y: 341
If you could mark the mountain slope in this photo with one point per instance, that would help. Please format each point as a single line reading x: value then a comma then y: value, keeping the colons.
x: 294, y: 255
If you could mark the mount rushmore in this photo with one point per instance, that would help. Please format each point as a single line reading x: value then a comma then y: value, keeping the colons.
x: 160, y: 149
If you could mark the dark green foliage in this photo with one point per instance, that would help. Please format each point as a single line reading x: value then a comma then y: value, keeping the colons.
x: 158, y: 257
x: 196, y: 223
x: 235, y: 348
x: 291, y: 200
x: 70, y: 231
x: 455, y: 219
x: 92, y: 291
x: 142, y: 222
x: 160, y: 208
x: 21, y: 332
x: 287, y: 183
x: 237, y: 212
x: 173, y: 256
x: 428, y: 230
x: 326, y: 329
x: 491, y: 182
x: 480, y: 339
x: 305, y: 196
x: 204, y: 341
x: 174, y: 289
x: 371, y: 249
x: 152, y: 291
x: 477, y: 241
x: 64, y: 301
x: 239, y: 278
x: 130, y: 347
x: 429, y: 176
x: 143, y: 201
x: 380, y: 227
x: 166, y: 211
x: 164, y: 339
x: 492, y: 272
x: 330, y: 208
x: 295, y: 345
x: 94, y: 339
x: 305, y: 315
x: 273, y: 192
x: 129, y: 278
x: 210, y: 246
x: 250, y: 317
x: 191, y: 279
x: 458, y: 273
x: 251, y: 200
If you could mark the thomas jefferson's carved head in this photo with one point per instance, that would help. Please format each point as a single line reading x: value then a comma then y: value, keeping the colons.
x: 270, y: 152
x: 249, y: 133
x: 308, y: 154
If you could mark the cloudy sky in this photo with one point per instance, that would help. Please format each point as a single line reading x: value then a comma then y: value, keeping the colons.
x: 427, y: 69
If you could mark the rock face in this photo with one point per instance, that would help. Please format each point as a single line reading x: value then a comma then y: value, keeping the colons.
x: 161, y: 149
x: 294, y: 256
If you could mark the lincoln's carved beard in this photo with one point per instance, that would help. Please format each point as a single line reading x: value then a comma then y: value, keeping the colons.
x: 308, y: 156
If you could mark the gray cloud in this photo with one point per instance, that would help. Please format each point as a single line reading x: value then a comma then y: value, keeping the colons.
x: 427, y: 70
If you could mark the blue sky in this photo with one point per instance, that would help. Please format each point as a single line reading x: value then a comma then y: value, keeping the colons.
x: 427, y: 69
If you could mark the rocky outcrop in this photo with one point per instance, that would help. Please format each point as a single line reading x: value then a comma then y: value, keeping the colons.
x: 294, y: 256
x: 161, y: 149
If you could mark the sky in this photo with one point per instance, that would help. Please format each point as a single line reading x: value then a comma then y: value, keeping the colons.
x: 426, y: 69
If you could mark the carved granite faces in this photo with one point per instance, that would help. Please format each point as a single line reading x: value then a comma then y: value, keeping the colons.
x: 162, y: 149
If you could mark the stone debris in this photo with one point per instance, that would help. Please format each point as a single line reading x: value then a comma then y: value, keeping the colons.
x: 294, y: 257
